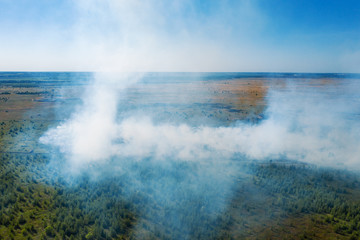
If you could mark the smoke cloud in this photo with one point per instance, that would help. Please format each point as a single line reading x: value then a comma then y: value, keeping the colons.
x: 310, y: 126
x: 197, y: 165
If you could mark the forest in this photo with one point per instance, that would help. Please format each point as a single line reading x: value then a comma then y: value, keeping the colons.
x: 270, y: 199
x: 275, y: 200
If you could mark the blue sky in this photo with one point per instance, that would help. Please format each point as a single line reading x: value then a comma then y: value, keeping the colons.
x: 180, y: 35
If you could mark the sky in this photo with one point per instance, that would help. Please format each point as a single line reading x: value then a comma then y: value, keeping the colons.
x: 180, y: 35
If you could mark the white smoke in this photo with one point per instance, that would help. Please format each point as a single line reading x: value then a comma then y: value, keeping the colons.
x: 179, y: 164
x: 305, y: 126
x: 171, y: 36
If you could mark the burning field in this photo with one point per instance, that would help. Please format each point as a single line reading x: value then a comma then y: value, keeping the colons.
x: 179, y: 156
x: 129, y: 119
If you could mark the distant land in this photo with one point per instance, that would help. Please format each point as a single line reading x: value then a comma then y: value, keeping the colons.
x: 240, y: 198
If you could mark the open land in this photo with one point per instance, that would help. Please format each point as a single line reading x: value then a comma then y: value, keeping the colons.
x: 272, y: 200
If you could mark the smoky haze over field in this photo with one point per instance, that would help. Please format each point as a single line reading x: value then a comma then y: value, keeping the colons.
x: 314, y: 125
x: 179, y: 160
x: 179, y: 167
x: 179, y: 147
x: 134, y: 36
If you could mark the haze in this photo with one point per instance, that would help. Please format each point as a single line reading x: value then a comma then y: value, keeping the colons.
x: 259, y: 36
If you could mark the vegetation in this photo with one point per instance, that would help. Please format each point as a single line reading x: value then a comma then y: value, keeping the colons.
x: 276, y: 199
x: 289, y: 200
x: 271, y: 200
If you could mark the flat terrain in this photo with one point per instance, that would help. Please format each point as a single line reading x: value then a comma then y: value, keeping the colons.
x: 272, y: 200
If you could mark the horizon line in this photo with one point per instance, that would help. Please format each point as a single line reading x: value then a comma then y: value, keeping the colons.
x: 70, y: 71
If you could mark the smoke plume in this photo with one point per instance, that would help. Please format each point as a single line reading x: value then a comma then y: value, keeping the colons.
x: 197, y: 165
x: 310, y: 126
x: 179, y: 162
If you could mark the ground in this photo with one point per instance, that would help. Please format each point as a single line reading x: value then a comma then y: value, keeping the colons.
x: 272, y: 200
